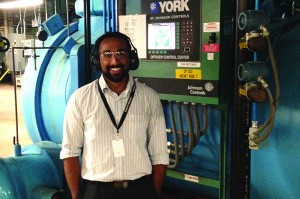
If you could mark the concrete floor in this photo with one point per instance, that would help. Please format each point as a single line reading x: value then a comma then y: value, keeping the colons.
x: 8, y: 131
x: 8, y: 120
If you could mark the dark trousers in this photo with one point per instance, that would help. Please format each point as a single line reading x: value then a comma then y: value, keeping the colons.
x: 140, y: 189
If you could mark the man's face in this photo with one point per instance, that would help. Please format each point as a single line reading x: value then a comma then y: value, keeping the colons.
x: 114, y: 59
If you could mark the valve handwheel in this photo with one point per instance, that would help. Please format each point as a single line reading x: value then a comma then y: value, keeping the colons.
x: 4, y: 44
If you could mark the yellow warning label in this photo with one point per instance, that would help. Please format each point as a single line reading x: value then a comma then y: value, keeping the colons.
x: 188, y: 74
x: 243, y: 45
x: 242, y: 92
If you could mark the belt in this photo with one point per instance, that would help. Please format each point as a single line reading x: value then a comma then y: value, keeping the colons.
x: 121, y: 184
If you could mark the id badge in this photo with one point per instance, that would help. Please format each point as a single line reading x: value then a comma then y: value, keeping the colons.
x: 118, y: 148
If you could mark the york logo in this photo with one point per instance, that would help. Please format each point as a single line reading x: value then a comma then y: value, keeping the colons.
x: 169, y: 6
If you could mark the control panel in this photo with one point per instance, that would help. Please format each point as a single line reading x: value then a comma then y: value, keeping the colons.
x: 188, y: 48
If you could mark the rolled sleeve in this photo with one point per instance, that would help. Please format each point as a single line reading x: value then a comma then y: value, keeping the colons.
x: 160, y: 159
x: 72, y: 130
x: 157, y: 145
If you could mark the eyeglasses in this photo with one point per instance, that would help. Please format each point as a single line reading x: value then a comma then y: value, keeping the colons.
x: 107, y: 55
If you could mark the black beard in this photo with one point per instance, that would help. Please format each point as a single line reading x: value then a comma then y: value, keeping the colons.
x: 118, y: 78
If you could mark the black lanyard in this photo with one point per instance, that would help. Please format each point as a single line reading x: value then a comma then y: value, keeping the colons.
x: 125, y: 110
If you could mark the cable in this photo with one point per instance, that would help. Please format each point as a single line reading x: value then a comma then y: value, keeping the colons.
x: 275, y: 72
x: 173, y: 127
x: 180, y: 130
x: 270, y: 121
x: 199, y: 132
x: 190, y: 128
x: 273, y: 103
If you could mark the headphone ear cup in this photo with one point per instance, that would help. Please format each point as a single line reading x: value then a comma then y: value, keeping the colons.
x: 95, y: 62
x: 133, y: 60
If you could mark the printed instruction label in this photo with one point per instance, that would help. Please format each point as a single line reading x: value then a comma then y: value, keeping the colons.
x: 188, y: 74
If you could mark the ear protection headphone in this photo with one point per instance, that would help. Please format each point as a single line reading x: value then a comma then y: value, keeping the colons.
x: 133, y: 56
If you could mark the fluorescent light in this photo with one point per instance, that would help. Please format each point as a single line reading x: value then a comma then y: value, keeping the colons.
x: 20, y: 4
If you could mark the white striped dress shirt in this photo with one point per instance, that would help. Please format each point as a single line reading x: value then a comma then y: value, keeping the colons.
x: 88, y: 130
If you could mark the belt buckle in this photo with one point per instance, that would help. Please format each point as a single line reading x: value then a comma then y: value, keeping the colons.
x: 121, y: 184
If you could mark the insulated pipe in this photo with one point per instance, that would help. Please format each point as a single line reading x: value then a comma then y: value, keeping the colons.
x: 190, y: 127
x: 46, y: 10
x: 273, y: 104
x: 34, y: 174
x: 24, y: 23
x: 199, y: 132
x: 55, y: 7
x: 197, y: 122
x: 274, y: 68
x: 5, y: 23
x: 68, y: 20
x: 205, y: 119
x: 17, y: 28
x: 180, y: 130
x: 270, y: 121
x: 173, y: 126
x: 46, y: 192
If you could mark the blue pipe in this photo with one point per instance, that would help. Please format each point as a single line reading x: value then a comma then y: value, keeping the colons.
x: 254, y: 105
x: 36, y: 169
x: 114, y: 17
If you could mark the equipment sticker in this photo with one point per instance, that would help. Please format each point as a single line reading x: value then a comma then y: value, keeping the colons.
x: 189, y: 64
x: 211, y: 27
x: 191, y: 178
x: 188, y: 74
x: 212, y: 48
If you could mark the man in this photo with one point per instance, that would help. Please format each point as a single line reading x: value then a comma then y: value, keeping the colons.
x: 118, y: 126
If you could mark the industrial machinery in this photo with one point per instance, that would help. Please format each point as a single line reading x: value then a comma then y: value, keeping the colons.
x: 188, y: 62
x: 4, y: 46
x: 183, y: 66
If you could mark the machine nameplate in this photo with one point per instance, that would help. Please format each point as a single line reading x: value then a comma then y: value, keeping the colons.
x: 185, y: 87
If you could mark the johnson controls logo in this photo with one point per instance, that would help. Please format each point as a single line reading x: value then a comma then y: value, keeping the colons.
x: 169, y: 6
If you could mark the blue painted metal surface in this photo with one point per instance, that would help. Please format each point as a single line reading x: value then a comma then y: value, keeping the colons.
x: 275, y: 168
x: 48, y: 85
x: 39, y: 94
x: 37, y: 168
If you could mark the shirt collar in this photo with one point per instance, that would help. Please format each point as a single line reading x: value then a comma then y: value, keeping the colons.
x: 104, y: 87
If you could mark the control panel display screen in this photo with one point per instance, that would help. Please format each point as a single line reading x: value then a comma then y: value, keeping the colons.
x: 161, y: 36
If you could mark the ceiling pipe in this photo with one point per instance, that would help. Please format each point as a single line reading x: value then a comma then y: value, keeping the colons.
x: 68, y: 20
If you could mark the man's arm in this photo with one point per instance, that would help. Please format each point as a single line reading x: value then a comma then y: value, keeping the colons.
x: 73, y: 175
x: 158, y: 175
